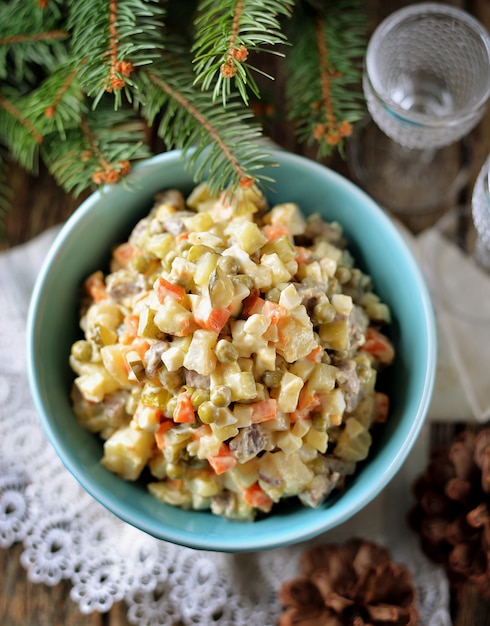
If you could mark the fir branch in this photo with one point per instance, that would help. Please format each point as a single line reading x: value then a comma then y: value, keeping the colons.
x: 19, y: 134
x: 58, y: 103
x: 226, y: 33
x: 97, y: 151
x: 324, y: 89
x: 32, y: 38
x: 227, y: 151
x: 124, y: 35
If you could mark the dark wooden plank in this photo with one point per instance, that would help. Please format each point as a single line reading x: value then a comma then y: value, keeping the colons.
x: 23, y: 603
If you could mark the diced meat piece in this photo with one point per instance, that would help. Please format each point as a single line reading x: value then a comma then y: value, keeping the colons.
x: 248, y: 443
x: 319, y: 489
x: 153, y: 357
x: 193, y: 379
x: 348, y: 381
x: 124, y: 283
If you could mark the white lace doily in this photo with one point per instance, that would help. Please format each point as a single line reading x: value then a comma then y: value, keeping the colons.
x: 67, y: 535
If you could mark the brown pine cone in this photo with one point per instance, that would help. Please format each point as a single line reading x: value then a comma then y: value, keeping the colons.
x: 452, y: 512
x: 354, y: 584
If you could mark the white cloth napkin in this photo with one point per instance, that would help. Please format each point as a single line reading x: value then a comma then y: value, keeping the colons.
x: 461, y: 297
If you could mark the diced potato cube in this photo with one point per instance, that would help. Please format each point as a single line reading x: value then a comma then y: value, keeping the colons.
x: 296, y: 339
x: 301, y: 427
x: 317, y: 439
x: 290, y: 215
x: 335, y: 335
x: 201, y: 357
x: 303, y: 368
x: 171, y: 492
x: 289, y: 390
x: 174, y: 319
x: 160, y: 244
x: 173, y: 358
x: 295, y: 473
x: 203, y: 482
x: 127, y: 451
x: 256, y: 324
x: 158, y: 466
x: 322, y: 378
x: 280, y: 273
x: 243, y: 415
x: 324, y: 249
x: 242, y: 385
x: 333, y: 404
x: 95, y: 384
x: 199, y: 222
x: 354, y: 441
x: 243, y: 475
x: 288, y: 442
x: 265, y: 359
x: 290, y: 298
x: 249, y: 235
x: 209, y: 445
x: 342, y: 303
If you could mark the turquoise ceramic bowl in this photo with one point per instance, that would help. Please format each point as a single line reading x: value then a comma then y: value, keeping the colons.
x: 83, y: 246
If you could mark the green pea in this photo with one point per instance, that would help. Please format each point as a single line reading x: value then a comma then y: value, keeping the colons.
x: 208, y: 412
x: 221, y: 396
x: 82, y: 350
x: 324, y: 312
x: 272, y: 378
x: 226, y: 352
x: 140, y: 263
x: 199, y: 396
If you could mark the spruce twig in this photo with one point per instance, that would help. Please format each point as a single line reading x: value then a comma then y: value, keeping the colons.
x: 226, y: 34
x: 324, y: 91
x: 227, y: 148
x: 81, y: 99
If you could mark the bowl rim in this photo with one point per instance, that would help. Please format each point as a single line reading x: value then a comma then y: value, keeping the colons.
x: 251, y: 542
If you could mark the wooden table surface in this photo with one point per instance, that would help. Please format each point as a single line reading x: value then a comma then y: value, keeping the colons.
x: 39, y: 203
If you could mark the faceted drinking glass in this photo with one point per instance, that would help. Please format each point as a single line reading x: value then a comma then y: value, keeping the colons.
x: 427, y: 75
x: 427, y: 82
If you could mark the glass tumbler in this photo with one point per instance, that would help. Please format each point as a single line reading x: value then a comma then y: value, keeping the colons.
x: 427, y: 75
x: 426, y: 81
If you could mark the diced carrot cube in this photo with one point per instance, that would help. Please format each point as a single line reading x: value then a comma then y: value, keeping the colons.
x: 379, y: 346
x: 215, y: 320
x: 264, y: 410
x: 125, y: 252
x: 274, y: 231
x: 255, y: 496
x: 96, y: 287
x: 184, y: 411
x: 165, y: 289
x: 160, y: 434
x: 223, y: 461
x: 303, y: 255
